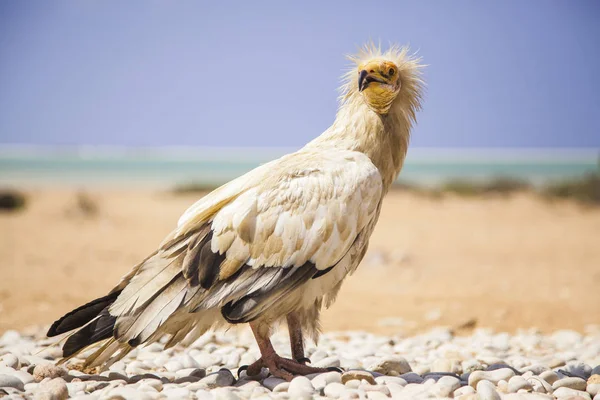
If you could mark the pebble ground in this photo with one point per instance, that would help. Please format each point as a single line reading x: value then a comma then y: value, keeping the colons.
x: 437, y: 364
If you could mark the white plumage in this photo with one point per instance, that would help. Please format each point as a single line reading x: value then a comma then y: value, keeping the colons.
x: 275, y: 243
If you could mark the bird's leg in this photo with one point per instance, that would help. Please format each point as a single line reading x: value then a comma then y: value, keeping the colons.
x: 278, y: 366
x: 296, y: 339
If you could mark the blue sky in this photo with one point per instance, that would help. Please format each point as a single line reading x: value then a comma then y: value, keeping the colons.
x: 149, y: 73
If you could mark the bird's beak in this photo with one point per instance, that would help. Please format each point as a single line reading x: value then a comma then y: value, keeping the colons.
x: 364, y: 79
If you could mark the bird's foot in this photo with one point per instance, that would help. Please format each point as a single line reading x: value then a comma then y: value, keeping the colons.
x: 283, y: 368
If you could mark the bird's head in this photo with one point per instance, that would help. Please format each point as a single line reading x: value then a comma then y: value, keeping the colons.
x: 379, y: 83
x: 386, y: 81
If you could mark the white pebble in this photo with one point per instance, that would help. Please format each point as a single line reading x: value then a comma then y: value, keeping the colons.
x: 492, y: 376
x: 517, y: 383
x: 301, y: 387
x: 10, y: 381
x: 10, y: 360
x: 486, y: 390
x: 388, y: 364
x: 445, y: 386
x: 334, y: 390
x: 571, y: 383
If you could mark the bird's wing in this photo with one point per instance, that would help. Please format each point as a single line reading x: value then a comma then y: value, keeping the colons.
x: 256, y: 238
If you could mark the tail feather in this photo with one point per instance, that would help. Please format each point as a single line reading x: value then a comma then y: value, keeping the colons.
x: 97, y: 330
x: 82, y: 315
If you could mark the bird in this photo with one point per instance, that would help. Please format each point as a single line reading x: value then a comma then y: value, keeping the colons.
x: 274, y: 245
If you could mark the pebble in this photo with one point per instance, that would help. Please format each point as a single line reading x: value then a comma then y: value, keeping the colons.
x: 358, y: 375
x: 327, y: 362
x: 445, y: 386
x: 494, y: 376
x: 433, y: 364
x: 48, y: 371
x: 221, y: 378
x: 517, y: 383
x: 322, y: 380
x: 8, y: 381
x: 571, y: 383
x: 447, y: 365
x: 334, y: 390
x: 567, y: 392
x: 388, y: 365
x: 486, y: 390
x: 412, y: 377
x: 10, y: 360
x: 300, y: 387
x: 56, y: 389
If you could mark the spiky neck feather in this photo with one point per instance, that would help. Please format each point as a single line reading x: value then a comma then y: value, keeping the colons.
x: 383, y: 138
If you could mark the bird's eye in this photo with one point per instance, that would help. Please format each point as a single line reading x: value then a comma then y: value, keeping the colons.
x: 391, y: 72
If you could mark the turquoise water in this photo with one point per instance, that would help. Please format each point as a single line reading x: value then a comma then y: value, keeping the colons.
x: 168, y: 167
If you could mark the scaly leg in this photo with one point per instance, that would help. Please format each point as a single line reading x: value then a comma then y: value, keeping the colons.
x: 278, y: 366
x: 296, y: 338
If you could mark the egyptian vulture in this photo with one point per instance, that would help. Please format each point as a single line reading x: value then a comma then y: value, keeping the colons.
x: 273, y: 245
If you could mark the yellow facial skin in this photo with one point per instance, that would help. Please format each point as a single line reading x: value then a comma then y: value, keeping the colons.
x: 379, y: 83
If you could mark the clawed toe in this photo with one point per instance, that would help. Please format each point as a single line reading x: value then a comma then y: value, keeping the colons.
x: 242, y: 369
x: 304, y: 360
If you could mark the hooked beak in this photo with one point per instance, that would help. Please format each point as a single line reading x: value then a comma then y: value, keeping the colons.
x: 364, y: 79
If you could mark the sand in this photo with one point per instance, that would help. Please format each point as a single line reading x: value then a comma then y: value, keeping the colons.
x: 504, y: 263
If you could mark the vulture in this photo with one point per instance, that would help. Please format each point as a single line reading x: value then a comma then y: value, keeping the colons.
x: 274, y: 245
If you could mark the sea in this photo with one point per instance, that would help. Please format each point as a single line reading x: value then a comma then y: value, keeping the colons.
x: 167, y: 167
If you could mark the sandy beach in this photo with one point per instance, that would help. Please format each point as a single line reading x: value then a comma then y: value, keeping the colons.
x: 499, y: 262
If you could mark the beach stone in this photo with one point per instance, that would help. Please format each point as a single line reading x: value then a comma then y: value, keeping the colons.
x: 471, y: 365
x: 155, y: 383
x: 25, y: 377
x: 327, y: 362
x: 48, y: 371
x: 187, y: 379
x: 75, y: 388
x: 445, y: 386
x: 272, y: 382
x: 565, y: 392
x: 188, y: 361
x: 464, y: 390
x: 593, y: 389
x: 376, y: 396
x: 517, y: 383
x: 549, y: 376
x: 9, y: 381
x: 137, y: 378
x: 494, y: 376
x: 447, y: 365
x: 10, y: 360
x: 300, y: 387
x: 595, y: 370
x: 221, y: 378
x: 486, y: 390
x: 595, y: 378
x: 358, y: 375
x: 334, y: 390
x: 386, y: 380
x: 536, y: 369
x: 176, y: 393
x: 56, y: 389
x: 571, y: 383
x: 411, y: 377
x: 173, y: 366
x: 539, y: 385
x: 322, y: 380
x: 282, y: 387
x: 391, y: 364
x: 578, y: 369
